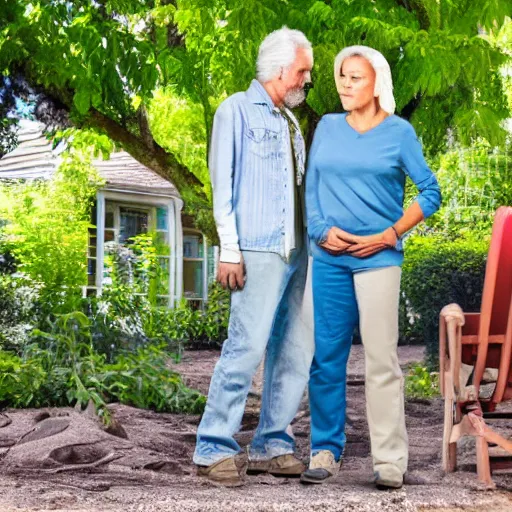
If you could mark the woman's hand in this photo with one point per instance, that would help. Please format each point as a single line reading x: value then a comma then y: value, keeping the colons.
x: 338, y: 241
x: 372, y: 244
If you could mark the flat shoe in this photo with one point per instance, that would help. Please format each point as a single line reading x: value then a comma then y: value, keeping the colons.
x: 315, y: 476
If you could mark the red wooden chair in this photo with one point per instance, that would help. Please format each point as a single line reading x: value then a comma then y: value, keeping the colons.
x: 484, y: 342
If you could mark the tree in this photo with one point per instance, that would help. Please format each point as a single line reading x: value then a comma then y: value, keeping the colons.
x: 103, y: 61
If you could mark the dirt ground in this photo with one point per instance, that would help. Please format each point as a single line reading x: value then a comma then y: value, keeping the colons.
x: 147, y: 466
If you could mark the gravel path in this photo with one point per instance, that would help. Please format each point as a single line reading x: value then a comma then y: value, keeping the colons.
x: 173, y: 486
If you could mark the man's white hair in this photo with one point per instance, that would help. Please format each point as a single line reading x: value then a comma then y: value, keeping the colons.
x: 383, y: 80
x: 278, y: 51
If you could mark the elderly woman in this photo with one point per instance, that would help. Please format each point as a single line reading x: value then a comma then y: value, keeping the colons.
x: 358, y: 164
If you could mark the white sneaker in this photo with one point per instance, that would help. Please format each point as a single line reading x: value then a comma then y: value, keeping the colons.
x: 322, y: 467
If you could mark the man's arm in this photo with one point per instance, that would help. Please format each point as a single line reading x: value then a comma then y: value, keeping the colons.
x: 221, y: 164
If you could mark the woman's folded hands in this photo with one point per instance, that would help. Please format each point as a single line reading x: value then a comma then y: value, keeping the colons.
x: 341, y: 242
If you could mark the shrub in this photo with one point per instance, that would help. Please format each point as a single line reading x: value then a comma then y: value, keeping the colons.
x: 126, y: 316
x: 437, y: 272
x: 420, y: 382
x: 144, y: 380
x: 19, y: 310
x: 62, y: 368
x: 475, y: 181
x: 199, y: 329
x: 45, y: 227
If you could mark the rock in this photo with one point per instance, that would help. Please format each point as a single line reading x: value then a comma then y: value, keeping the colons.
x: 5, y: 442
x: 116, y: 429
x: 4, y: 420
x: 45, y: 428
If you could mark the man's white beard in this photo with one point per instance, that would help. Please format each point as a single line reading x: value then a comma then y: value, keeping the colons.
x: 294, y: 97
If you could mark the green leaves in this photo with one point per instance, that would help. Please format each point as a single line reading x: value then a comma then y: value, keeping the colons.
x: 82, y: 101
x: 63, y: 369
x: 47, y: 225
x: 438, y: 271
x: 420, y: 382
x: 480, y: 121
x: 118, y: 55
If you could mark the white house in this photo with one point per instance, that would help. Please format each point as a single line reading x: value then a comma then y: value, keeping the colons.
x: 134, y: 200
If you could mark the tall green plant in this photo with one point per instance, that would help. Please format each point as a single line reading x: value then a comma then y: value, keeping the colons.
x: 46, y: 224
x: 475, y: 182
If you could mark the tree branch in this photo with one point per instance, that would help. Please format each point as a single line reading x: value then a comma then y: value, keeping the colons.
x: 145, y: 132
x: 419, y: 9
x: 156, y: 158
x: 143, y: 148
x: 410, y: 108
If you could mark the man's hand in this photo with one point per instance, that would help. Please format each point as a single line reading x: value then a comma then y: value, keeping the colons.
x: 231, y: 275
x: 338, y: 241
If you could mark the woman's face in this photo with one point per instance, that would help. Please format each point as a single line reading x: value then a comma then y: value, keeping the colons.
x: 357, y: 83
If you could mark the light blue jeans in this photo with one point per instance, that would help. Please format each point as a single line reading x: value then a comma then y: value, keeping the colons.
x: 270, y: 318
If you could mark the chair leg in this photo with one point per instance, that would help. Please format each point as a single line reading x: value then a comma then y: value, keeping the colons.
x: 483, y: 464
x: 449, y: 449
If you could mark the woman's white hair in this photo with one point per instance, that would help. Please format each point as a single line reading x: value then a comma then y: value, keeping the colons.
x: 278, y: 51
x: 383, y: 80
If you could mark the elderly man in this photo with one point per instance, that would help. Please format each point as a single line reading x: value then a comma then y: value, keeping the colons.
x: 257, y: 169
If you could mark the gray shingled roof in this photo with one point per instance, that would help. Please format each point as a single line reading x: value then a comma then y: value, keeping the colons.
x: 34, y: 158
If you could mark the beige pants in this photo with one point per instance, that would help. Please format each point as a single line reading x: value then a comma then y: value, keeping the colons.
x: 377, y: 293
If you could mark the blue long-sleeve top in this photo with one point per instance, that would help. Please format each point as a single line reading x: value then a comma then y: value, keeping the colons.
x: 356, y: 182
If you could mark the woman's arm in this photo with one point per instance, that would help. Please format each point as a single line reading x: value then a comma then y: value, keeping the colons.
x: 426, y: 203
x: 317, y: 227
x: 327, y: 236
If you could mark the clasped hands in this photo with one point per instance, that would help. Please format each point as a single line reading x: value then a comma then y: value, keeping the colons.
x: 232, y: 275
x: 341, y: 242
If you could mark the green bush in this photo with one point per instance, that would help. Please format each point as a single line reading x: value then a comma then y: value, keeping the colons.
x: 19, y: 310
x: 437, y: 272
x: 62, y: 368
x: 202, y: 328
x: 45, y: 227
x: 126, y: 316
x: 420, y: 382
x: 475, y: 181
x: 144, y: 380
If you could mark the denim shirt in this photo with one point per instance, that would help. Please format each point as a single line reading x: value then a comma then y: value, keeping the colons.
x: 250, y: 165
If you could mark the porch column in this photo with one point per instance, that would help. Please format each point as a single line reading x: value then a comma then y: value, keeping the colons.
x: 178, y: 205
x: 171, y: 229
x: 100, y: 239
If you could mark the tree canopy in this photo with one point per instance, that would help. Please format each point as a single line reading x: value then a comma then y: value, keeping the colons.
x: 150, y: 73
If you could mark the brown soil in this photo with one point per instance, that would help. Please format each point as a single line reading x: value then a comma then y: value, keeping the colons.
x: 63, y: 460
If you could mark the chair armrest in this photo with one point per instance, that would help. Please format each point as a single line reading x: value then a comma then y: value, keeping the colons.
x: 451, y: 320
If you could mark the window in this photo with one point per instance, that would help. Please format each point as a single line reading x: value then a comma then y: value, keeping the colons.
x: 194, y: 266
x: 124, y: 221
x: 132, y: 222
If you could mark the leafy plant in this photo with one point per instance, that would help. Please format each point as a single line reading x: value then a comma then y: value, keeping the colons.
x: 45, y: 225
x: 20, y: 310
x: 435, y: 273
x: 420, y: 382
x: 66, y: 354
x: 144, y: 380
x: 475, y: 182
x: 62, y: 368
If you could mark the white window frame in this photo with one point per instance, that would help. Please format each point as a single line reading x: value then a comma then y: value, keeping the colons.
x: 145, y: 202
x: 204, y: 261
